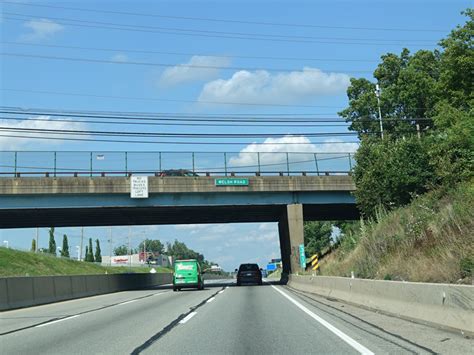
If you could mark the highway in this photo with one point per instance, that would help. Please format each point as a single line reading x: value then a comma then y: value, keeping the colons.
x: 222, y: 319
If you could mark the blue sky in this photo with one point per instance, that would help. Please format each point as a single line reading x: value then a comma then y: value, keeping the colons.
x: 313, y: 82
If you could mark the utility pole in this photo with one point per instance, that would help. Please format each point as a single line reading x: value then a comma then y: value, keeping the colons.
x: 129, y: 248
x: 377, y: 94
x: 82, y: 243
x: 37, y: 239
x: 110, y: 246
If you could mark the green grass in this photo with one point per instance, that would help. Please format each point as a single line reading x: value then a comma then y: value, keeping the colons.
x: 275, y: 274
x: 20, y: 263
x: 430, y: 240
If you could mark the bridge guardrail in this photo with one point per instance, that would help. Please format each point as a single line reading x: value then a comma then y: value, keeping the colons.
x: 54, y: 163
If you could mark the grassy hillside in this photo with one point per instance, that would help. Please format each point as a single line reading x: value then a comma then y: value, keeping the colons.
x: 20, y: 263
x: 430, y: 240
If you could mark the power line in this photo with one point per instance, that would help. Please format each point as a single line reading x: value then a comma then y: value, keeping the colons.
x: 230, y: 124
x: 226, y: 20
x: 165, y: 114
x: 90, y: 60
x: 191, y: 118
x: 163, y: 100
x: 189, y: 31
x: 168, y: 142
x: 194, y: 33
x: 189, y: 54
x: 172, y: 134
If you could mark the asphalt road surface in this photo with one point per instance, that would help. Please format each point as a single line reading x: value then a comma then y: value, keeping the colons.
x: 222, y: 319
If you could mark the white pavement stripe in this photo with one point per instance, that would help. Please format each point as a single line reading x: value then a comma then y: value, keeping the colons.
x: 126, y: 302
x: 359, y: 347
x: 210, y: 300
x: 220, y: 291
x: 57, y: 321
x: 188, y: 317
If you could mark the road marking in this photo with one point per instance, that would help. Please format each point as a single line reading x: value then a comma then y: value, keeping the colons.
x: 126, y: 302
x: 188, y: 317
x: 56, y: 321
x: 210, y: 300
x: 359, y: 347
x: 220, y: 291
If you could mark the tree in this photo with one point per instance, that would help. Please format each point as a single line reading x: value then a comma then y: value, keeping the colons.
x: 33, y: 245
x: 98, y: 256
x: 389, y: 172
x: 89, y: 252
x: 457, y: 65
x: 408, y: 95
x: 179, y: 250
x: 317, y: 236
x: 86, y: 257
x: 65, y: 247
x: 154, y: 246
x: 121, y: 250
x: 52, y: 242
x: 430, y: 92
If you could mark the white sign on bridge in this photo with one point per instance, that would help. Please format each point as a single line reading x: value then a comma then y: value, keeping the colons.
x: 139, y: 187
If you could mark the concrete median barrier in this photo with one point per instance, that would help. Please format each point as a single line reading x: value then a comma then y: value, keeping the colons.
x: 442, y: 305
x: 18, y: 292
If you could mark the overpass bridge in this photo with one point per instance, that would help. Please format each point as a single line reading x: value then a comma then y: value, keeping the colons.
x: 103, y: 201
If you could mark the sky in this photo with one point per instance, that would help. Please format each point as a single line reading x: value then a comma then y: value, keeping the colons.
x: 209, y: 58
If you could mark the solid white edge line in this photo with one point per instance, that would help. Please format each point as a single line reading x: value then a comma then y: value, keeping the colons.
x: 210, y: 299
x: 359, y: 347
x: 56, y: 321
x: 188, y: 317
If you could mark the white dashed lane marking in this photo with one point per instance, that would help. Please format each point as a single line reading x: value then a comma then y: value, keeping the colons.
x: 188, y: 317
x: 57, y: 321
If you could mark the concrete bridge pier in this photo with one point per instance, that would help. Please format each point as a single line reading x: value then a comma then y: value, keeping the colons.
x: 290, y: 228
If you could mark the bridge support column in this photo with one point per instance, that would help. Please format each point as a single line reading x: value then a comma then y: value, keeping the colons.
x: 290, y: 229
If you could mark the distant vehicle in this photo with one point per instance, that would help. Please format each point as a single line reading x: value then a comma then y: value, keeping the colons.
x: 187, y: 274
x: 249, y: 273
x: 178, y: 172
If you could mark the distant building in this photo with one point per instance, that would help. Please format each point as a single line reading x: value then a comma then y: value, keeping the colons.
x: 216, y: 268
x: 138, y: 260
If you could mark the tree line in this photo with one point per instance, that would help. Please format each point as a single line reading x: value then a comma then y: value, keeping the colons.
x: 177, y: 249
x: 90, y: 256
x: 426, y: 102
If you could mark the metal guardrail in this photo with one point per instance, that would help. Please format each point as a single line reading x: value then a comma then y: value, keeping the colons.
x: 60, y: 163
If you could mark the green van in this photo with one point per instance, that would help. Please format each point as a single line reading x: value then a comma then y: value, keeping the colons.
x: 187, y: 274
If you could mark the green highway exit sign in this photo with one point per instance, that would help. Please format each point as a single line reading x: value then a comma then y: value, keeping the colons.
x: 231, y: 182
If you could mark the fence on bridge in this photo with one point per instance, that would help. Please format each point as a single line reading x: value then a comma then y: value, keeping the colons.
x: 97, y: 163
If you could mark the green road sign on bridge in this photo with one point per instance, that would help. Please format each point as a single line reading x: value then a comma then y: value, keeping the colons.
x: 302, y: 257
x: 232, y: 182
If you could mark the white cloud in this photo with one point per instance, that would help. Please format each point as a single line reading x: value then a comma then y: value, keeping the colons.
x: 120, y: 58
x: 274, y: 155
x: 198, y: 68
x: 7, y: 143
x: 191, y: 226
x: 41, y: 29
x: 283, y: 88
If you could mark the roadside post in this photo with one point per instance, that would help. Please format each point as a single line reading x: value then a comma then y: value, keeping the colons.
x: 313, y: 263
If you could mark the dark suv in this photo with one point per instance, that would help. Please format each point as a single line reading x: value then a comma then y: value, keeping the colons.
x: 178, y: 172
x: 249, y: 273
